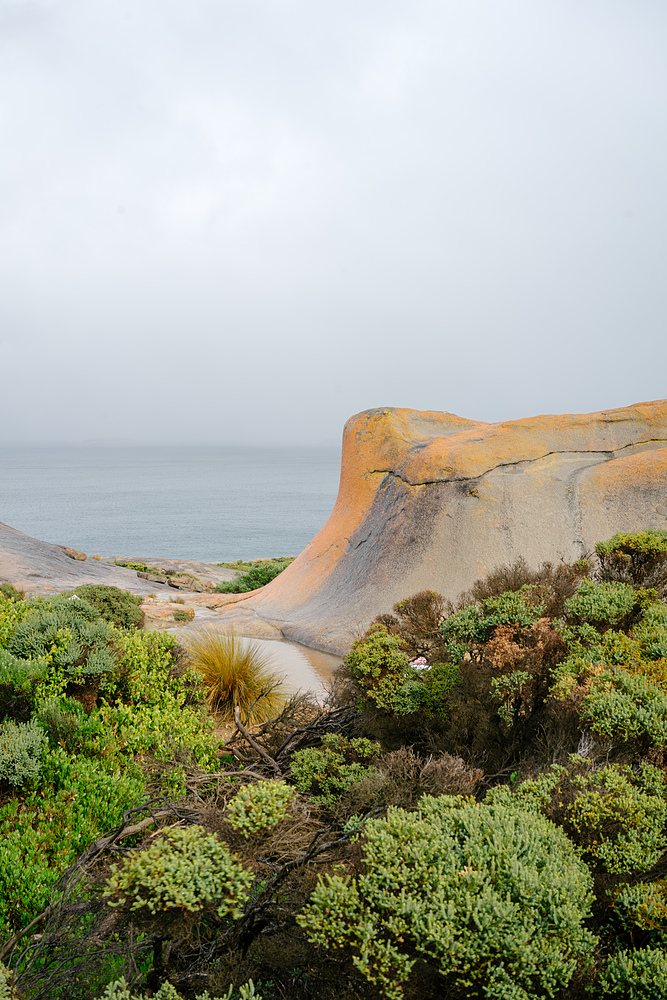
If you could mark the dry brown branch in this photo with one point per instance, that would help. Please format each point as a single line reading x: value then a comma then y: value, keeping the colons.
x: 255, y: 745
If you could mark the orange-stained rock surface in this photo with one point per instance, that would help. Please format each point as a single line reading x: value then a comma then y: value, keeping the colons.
x: 432, y: 500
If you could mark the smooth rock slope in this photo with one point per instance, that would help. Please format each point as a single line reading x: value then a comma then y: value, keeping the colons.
x: 432, y: 500
x: 35, y: 566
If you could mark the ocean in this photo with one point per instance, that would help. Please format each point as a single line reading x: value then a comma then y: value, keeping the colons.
x: 207, y: 503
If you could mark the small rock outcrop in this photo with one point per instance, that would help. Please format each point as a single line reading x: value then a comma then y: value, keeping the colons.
x: 434, y: 501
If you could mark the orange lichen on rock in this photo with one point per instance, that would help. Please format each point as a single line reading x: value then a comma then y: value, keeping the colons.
x: 432, y: 501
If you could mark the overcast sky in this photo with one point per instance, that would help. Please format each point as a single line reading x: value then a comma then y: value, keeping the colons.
x: 246, y: 220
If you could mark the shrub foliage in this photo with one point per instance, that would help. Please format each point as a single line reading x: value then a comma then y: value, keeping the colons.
x: 494, y: 896
x: 329, y: 852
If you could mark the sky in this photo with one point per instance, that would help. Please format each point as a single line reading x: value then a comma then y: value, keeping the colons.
x: 243, y: 221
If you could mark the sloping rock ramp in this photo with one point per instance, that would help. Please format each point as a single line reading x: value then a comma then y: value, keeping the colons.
x: 32, y: 565
x: 434, y: 501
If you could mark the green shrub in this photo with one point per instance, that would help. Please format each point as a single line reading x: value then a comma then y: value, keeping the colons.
x: 69, y: 726
x: 651, y: 632
x: 154, y: 710
x: 259, y: 807
x: 493, y: 897
x: 235, y: 671
x: 640, y: 543
x: 117, y: 607
x: 643, y: 907
x: 121, y: 991
x: 628, y: 706
x: 615, y: 816
x: 260, y: 573
x: 68, y: 633
x: 44, y: 831
x: 10, y: 593
x: 416, y: 621
x: 12, y: 614
x: 331, y: 769
x: 146, y: 669
x: 638, y: 558
x: 476, y: 622
x: 169, y: 732
x: 21, y: 748
x: 382, y: 670
x: 7, y: 991
x: 617, y: 680
x: 18, y: 682
x: 603, y: 605
x: 184, y: 870
x: 634, y: 975
x: 139, y: 567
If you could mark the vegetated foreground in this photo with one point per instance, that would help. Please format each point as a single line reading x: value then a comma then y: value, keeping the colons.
x: 479, y: 810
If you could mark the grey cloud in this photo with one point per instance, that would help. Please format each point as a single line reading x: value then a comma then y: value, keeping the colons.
x: 274, y: 213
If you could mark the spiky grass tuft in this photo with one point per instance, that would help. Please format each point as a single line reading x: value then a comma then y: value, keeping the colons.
x: 236, y: 671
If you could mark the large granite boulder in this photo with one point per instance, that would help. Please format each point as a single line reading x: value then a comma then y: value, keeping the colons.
x: 431, y: 500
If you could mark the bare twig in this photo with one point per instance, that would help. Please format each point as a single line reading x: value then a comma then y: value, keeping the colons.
x: 255, y: 745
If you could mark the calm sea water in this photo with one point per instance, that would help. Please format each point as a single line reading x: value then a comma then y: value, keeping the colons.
x: 211, y: 504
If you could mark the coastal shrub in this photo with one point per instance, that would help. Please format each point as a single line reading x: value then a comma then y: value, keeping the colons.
x: 506, y: 649
x: 554, y: 583
x: 615, y: 816
x: 12, y: 614
x: 327, y: 771
x: 7, y: 991
x: 42, y: 832
x: 636, y: 558
x: 261, y: 572
x: 627, y: 706
x: 21, y: 748
x: 387, y: 679
x: 401, y: 777
x: 475, y: 623
x: 641, y: 911
x: 18, y: 682
x: 416, y: 621
x: 235, y: 671
x: 118, y: 607
x: 493, y: 897
x: 167, y: 733
x: 67, y: 633
x: 603, y: 605
x: 634, y: 975
x: 615, y: 674
x: 121, y: 991
x: 259, y: 807
x: 68, y: 725
x: 183, y: 870
x: 153, y: 710
x: 10, y: 593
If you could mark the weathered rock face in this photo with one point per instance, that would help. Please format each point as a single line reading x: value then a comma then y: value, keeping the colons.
x: 431, y: 500
x: 36, y: 566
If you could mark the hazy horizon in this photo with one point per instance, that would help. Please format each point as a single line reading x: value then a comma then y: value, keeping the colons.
x: 226, y: 222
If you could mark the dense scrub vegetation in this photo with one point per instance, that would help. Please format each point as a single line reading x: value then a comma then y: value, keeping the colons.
x: 256, y: 573
x: 479, y: 810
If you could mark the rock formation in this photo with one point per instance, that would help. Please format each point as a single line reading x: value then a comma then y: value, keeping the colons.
x: 432, y: 500
x: 32, y: 565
